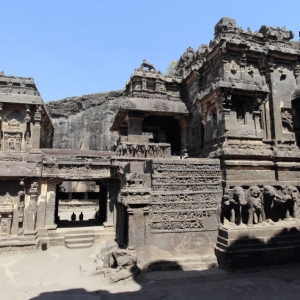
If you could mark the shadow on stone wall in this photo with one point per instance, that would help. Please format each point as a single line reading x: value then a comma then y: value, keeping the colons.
x: 258, y: 247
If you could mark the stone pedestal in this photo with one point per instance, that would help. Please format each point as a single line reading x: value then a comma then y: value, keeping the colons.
x: 241, y: 247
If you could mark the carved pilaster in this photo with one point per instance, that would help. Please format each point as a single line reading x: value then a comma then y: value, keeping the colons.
x: 297, y: 73
x: 31, y: 210
x: 37, y: 128
x: 113, y: 187
x: 243, y: 63
x: 183, y: 126
x: 130, y: 212
x: 1, y: 135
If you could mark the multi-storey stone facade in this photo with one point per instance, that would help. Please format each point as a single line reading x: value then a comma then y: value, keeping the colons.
x: 205, y: 161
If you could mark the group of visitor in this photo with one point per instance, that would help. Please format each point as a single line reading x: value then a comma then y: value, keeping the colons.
x: 73, y: 217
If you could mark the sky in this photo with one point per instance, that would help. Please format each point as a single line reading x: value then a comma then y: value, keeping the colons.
x: 76, y: 47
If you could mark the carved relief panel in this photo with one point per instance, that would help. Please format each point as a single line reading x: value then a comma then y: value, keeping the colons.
x: 6, y: 213
x: 12, y: 141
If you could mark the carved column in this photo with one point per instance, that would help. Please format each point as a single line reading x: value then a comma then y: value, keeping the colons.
x: 257, y: 116
x: 135, y: 123
x: 243, y: 63
x: 112, y: 195
x: 30, y: 224
x: 146, y: 225
x: 130, y: 212
x: 36, y: 132
x: 1, y: 135
x: 41, y: 209
x: 297, y: 73
x: 183, y: 126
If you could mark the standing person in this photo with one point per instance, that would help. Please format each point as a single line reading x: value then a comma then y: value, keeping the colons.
x: 73, y: 217
x: 81, y: 217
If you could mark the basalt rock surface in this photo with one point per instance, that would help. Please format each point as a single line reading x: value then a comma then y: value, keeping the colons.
x: 83, y: 123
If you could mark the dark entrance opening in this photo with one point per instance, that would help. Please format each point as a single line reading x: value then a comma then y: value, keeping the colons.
x: 163, y: 129
x: 80, y: 204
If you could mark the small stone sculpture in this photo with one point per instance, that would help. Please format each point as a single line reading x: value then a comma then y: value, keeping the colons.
x: 255, y: 208
x: 291, y: 202
x: 231, y: 207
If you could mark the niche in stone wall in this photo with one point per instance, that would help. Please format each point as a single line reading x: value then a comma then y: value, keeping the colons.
x: 12, y: 141
x: 287, y: 120
x: 240, y: 113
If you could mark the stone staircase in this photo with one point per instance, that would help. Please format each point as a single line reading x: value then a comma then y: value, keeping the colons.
x: 79, y: 239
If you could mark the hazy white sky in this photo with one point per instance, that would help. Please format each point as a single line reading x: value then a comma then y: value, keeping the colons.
x: 75, y: 47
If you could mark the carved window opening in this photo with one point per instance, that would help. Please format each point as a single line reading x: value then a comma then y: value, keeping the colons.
x: 240, y: 114
x: 150, y: 85
x: 214, y: 118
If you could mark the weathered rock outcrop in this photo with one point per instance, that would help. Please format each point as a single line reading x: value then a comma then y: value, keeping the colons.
x: 83, y: 123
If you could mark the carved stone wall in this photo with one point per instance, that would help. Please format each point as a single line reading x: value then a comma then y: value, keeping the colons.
x: 184, y: 195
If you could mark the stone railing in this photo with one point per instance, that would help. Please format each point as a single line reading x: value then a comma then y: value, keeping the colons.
x: 144, y: 150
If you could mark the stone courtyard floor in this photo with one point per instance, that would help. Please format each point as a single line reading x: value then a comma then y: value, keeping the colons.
x: 61, y: 273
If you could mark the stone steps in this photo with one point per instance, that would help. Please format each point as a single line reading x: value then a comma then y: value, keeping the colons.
x: 79, y: 239
x: 101, y: 234
x: 179, y: 263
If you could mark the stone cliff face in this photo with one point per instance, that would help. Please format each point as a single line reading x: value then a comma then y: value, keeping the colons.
x: 83, y: 123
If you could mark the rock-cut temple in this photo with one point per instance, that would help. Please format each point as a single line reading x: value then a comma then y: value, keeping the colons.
x: 188, y: 167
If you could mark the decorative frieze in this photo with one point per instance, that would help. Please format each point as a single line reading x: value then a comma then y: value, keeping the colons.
x: 187, y: 221
x: 188, y: 173
x: 144, y: 150
x: 186, y: 187
x: 186, y: 197
x: 76, y: 170
x: 187, y: 166
x: 183, y: 180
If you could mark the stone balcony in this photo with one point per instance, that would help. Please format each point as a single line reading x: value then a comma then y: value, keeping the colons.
x: 144, y: 150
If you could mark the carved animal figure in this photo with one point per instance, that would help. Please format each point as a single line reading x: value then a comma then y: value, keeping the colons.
x: 271, y: 201
x: 146, y: 64
x: 291, y: 201
x: 231, y: 207
x: 255, y: 207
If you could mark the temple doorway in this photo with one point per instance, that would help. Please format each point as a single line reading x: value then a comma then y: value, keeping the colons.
x: 80, y: 204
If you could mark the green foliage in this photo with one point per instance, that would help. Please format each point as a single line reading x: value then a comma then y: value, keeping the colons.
x: 171, y: 68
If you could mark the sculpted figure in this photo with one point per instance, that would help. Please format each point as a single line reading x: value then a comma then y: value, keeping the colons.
x: 271, y: 200
x: 291, y: 202
x: 231, y: 206
x: 255, y: 208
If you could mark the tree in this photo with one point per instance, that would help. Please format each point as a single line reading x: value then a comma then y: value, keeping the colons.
x: 171, y: 68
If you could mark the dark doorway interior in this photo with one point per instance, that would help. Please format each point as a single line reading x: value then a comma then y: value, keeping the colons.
x: 80, y: 204
x: 163, y: 129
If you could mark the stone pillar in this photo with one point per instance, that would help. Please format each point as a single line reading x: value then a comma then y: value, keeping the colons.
x: 257, y: 116
x: 41, y: 209
x: 135, y: 122
x: 113, y: 187
x: 183, y: 126
x: 146, y: 223
x: 130, y: 212
x: 30, y: 217
x: 17, y: 215
x: 297, y: 73
x: 50, y: 204
x: 36, y: 132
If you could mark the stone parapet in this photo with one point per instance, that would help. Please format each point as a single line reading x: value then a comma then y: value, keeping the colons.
x: 144, y: 150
